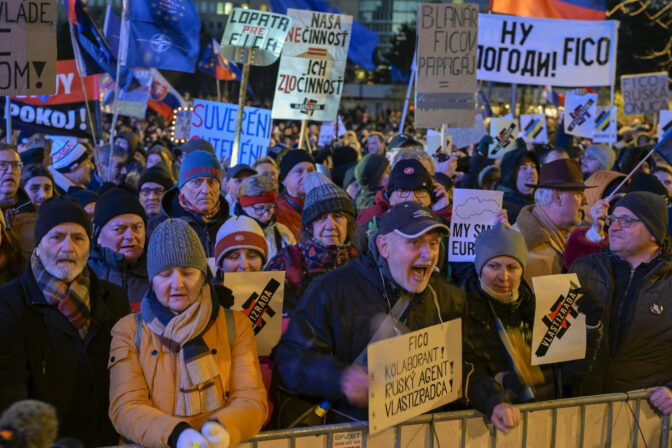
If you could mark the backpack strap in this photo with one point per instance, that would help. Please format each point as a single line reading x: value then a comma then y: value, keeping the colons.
x: 230, y: 328
x: 138, y: 331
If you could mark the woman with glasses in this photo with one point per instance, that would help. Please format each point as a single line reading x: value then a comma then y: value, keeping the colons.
x: 257, y: 200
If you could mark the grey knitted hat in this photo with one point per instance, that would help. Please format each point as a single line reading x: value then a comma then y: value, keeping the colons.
x: 498, y: 241
x: 175, y: 244
x: 323, y: 196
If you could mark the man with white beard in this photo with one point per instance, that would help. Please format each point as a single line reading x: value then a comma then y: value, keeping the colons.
x: 55, y: 323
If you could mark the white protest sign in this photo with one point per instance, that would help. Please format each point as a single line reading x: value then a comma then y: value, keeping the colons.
x: 414, y: 373
x: 504, y: 131
x: 605, y: 124
x: 310, y: 78
x: 526, y: 50
x: 262, y: 32
x: 259, y: 295
x: 434, y: 145
x: 559, y: 332
x: 580, y: 114
x: 327, y: 133
x: 665, y: 122
x: 27, y: 47
x: 463, y: 137
x: 534, y: 128
x: 216, y: 123
x: 643, y: 94
x: 445, y: 82
x: 473, y: 212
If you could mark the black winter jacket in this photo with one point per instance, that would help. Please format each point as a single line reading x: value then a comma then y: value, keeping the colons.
x: 130, y: 276
x: 43, y: 357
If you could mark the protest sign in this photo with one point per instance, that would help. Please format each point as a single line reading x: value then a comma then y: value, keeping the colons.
x: 259, y: 295
x: 665, y: 122
x: 468, y: 136
x: 526, y: 50
x: 504, y: 131
x: 68, y: 87
x: 216, y: 123
x: 580, y: 114
x: 473, y: 212
x: 534, y: 128
x: 643, y: 94
x: 27, y: 47
x: 262, y: 32
x: 445, y: 81
x: 559, y: 332
x: 605, y: 124
x: 414, y: 373
x: 132, y: 103
x: 310, y: 78
x: 329, y: 130
x: 182, y: 126
x: 434, y: 145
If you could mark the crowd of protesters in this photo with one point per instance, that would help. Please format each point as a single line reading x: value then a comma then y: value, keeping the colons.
x: 113, y: 257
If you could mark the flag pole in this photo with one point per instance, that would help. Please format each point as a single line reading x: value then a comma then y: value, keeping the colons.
x: 408, y: 94
x: 78, y: 64
x: 8, y: 117
x: 242, y: 94
x: 219, y: 91
x: 121, y: 61
x: 302, y: 134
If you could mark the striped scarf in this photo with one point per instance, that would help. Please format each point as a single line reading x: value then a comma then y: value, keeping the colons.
x: 73, y: 300
x: 207, y: 216
x: 182, y: 334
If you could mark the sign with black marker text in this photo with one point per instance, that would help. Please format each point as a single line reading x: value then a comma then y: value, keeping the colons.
x: 646, y: 93
x: 261, y: 32
x: 473, y: 212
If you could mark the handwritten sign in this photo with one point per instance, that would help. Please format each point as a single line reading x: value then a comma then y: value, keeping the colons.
x: 643, y: 94
x: 580, y: 111
x: 534, y: 128
x: 263, y: 33
x: 504, y: 132
x: 216, y: 123
x: 473, y: 212
x: 27, y: 47
x: 259, y: 295
x: 445, y: 85
x: 414, y: 373
x: 605, y: 124
x: 559, y: 332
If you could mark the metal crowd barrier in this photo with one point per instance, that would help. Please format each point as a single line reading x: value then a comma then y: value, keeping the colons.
x: 612, y: 420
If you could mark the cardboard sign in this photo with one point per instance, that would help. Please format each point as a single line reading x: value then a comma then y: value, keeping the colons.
x: 434, y: 145
x: 473, y: 212
x: 414, y: 373
x: 463, y: 137
x: 559, y: 332
x: 554, y: 52
x: 445, y: 82
x: 27, y: 47
x: 216, y: 123
x: 262, y: 32
x: 132, y: 103
x: 504, y: 131
x: 643, y: 94
x: 665, y: 122
x: 259, y: 295
x: 605, y: 124
x: 68, y: 87
x: 310, y: 78
x: 534, y: 128
x: 580, y: 114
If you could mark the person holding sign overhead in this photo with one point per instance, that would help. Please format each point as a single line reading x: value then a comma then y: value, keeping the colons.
x: 498, y: 332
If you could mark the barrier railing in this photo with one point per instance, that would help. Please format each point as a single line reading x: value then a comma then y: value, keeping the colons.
x: 618, y: 420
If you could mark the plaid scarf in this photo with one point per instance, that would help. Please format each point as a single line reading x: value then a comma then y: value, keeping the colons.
x: 73, y: 300
x: 182, y: 334
x: 207, y: 216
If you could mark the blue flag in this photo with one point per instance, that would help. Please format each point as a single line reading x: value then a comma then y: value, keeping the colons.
x: 397, y: 75
x: 96, y: 54
x: 164, y: 34
x: 363, y: 42
x: 664, y: 146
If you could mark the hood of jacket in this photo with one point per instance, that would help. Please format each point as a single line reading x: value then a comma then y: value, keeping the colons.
x: 510, y: 163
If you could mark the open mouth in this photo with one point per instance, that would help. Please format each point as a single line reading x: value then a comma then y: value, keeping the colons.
x: 419, y: 273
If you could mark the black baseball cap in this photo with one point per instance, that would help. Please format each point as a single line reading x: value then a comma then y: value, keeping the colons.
x: 402, y: 141
x: 410, y: 220
x: 239, y: 169
x: 409, y: 174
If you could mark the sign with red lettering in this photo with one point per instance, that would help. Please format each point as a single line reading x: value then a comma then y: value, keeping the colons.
x: 263, y: 33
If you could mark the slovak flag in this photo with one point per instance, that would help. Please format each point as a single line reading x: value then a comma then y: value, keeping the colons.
x: 163, y: 98
x: 552, y: 9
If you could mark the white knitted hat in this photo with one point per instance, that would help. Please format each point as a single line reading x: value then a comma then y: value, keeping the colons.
x: 66, y: 151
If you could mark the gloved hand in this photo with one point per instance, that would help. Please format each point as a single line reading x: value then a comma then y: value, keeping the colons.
x: 592, y: 307
x: 190, y: 438
x: 216, y: 434
x: 484, y: 144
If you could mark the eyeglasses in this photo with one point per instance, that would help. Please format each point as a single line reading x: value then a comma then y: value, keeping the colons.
x: 156, y: 191
x: 261, y: 210
x: 419, y: 194
x: 623, y: 221
x: 4, y: 166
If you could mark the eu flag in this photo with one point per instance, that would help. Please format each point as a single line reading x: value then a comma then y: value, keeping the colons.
x: 212, y: 62
x: 164, y: 34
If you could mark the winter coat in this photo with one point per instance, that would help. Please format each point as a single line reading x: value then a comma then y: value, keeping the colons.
x: 21, y: 218
x: 207, y: 232
x: 43, y: 357
x: 643, y: 358
x: 144, y: 384
x: 289, y: 213
x: 332, y: 326
x: 578, y: 245
x: 130, y: 276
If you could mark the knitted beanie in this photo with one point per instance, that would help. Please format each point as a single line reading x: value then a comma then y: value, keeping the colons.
x: 649, y: 207
x: 59, y: 210
x: 322, y: 197
x: 604, y: 154
x: 66, y: 152
x: 498, y: 241
x: 174, y: 244
x: 240, y: 232
x: 115, y: 202
x: 291, y: 159
x: 158, y: 174
x: 199, y: 164
x: 370, y: 169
